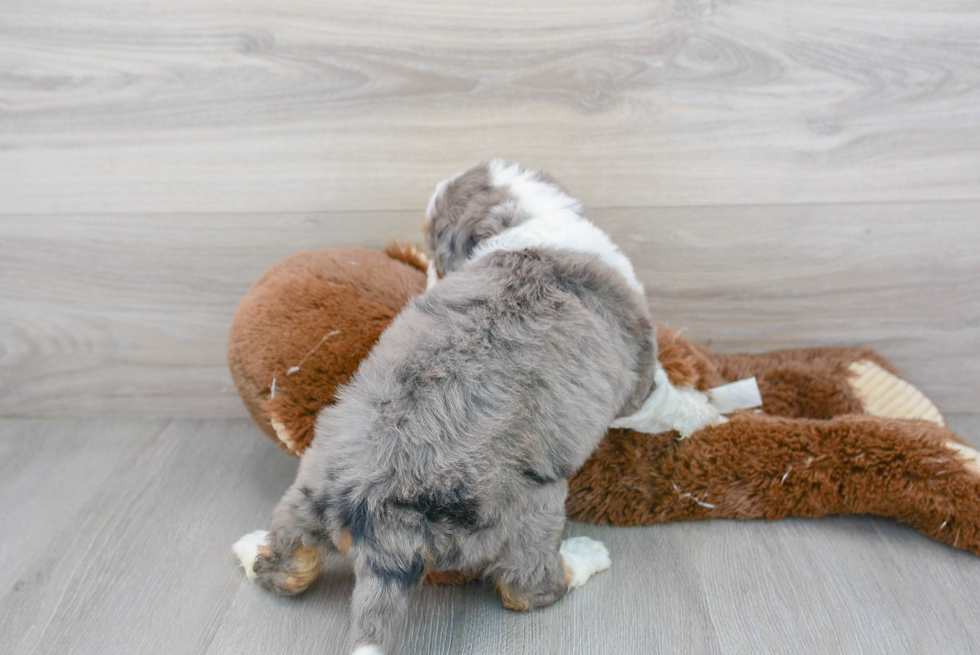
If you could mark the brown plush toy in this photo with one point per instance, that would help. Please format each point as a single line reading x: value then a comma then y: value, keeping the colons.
x: 838, y: 432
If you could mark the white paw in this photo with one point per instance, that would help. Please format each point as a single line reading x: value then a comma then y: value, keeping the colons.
x: 247, y: 549
x: 583, y: 557
x: 367, y: 650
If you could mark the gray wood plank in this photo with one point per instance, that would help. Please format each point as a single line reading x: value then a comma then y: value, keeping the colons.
x: 128, y: 315
x: 143, y: 564
x: 50, y: 473
x: 299, y: 105
x: 138, y: 561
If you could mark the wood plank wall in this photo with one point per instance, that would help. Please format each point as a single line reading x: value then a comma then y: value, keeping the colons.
x: 782, y: 174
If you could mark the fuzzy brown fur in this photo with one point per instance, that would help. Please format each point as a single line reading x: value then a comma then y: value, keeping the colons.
x: 408, y: 254
x: 811, y: 451
x: 320, y: 310
x: 764, y: 467
x: 808, y: 383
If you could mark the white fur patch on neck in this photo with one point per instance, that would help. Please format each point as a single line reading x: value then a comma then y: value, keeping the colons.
x: 556, y: 223
x: 535, y: 196
x: 564, y: 231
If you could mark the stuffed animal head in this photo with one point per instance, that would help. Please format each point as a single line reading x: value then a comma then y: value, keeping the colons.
x: 301, y: 331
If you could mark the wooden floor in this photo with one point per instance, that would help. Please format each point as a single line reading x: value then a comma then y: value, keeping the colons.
x: 782, y: 174
x: 117, y: 539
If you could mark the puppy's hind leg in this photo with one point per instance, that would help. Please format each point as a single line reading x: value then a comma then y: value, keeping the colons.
x: 536, y: 569
x: 287, y: 558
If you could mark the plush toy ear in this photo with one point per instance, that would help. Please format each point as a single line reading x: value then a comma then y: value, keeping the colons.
x: 408, y: 254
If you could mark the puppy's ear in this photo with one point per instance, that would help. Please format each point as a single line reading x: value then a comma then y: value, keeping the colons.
x: 501, y: 216
x: 455, y: 245
x: 445, y: 250
x: 478, y: 225
x: 464, y: 213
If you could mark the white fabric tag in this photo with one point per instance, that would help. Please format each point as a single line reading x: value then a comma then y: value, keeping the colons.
x: 742, y: 394
x: 687, y: 410
x: 669, y: 408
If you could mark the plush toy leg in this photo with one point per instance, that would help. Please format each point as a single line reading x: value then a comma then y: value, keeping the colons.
x: 759, y: 467
x: 804, y: 383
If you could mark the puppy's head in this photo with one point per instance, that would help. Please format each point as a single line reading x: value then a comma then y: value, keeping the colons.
x: 482, y: 202
x: 463, y: 211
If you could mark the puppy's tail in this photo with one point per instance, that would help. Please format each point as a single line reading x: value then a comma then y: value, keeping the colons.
x: 385, y: 583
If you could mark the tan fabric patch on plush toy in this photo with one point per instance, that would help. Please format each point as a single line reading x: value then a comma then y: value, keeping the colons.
x: 885, y: 394
x: 837, y: 432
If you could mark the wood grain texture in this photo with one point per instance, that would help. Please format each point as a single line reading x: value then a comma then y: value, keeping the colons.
x: 128, y: 550
x: 782, y: 174
x: 128, y: 315
x: 167, y: 106
x: 110, y: 315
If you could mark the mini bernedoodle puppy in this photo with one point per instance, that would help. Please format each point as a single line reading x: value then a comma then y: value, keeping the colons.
x: 450, y: 448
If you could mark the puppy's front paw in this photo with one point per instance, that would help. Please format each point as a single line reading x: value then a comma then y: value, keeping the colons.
x: 583, y: 557
x: 247, y: 550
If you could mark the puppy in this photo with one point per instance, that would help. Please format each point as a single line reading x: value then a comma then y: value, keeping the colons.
x: 450, y: 447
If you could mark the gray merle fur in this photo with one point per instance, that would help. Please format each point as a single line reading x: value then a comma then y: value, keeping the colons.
x: 451, y: 445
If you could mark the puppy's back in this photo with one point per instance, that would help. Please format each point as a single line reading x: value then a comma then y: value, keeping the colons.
x: 507, y: 372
